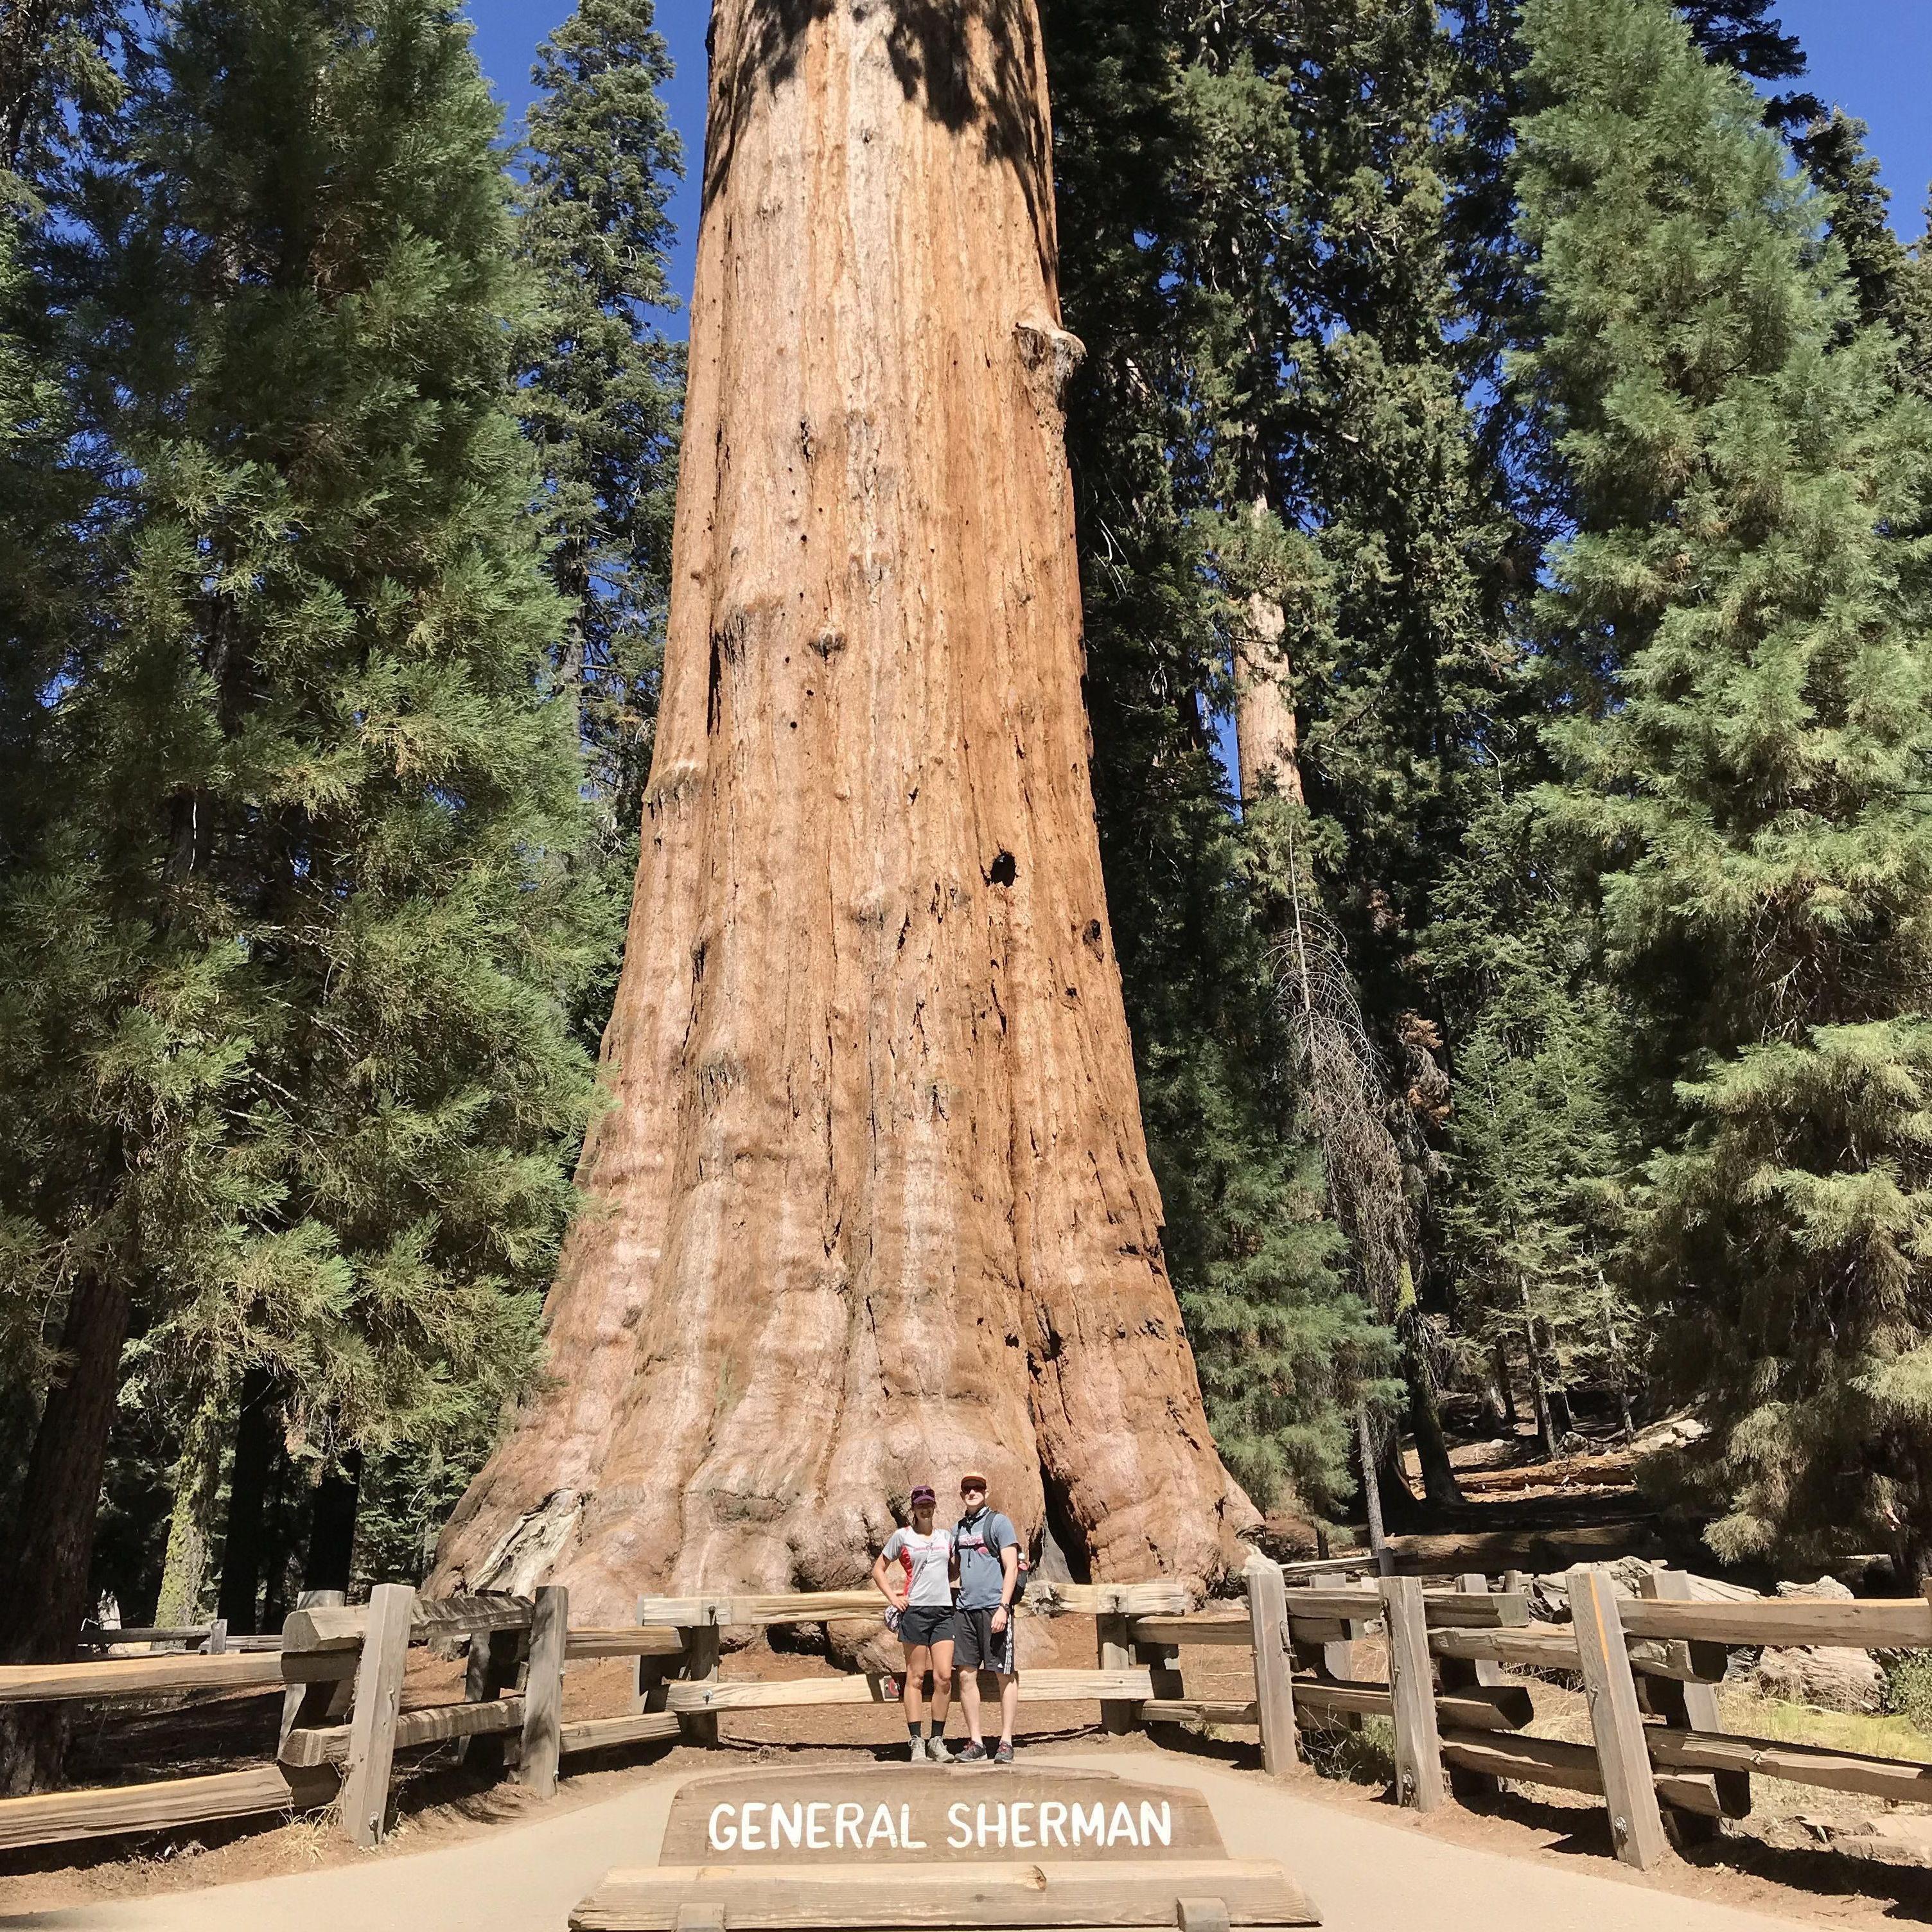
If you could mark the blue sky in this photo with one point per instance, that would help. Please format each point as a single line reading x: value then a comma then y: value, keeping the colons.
x: 1872, y: 57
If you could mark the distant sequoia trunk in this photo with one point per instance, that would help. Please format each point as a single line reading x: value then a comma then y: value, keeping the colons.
x: 873, y: 1202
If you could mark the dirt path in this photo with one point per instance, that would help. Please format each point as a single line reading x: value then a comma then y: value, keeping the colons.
x: 1365, y: 1874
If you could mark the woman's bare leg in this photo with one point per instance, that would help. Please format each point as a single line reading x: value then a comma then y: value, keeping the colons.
x: 918, y: 1662
x: 942, y: 1685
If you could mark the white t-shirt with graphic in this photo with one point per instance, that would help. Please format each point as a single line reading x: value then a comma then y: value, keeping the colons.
x: 925, y: 1560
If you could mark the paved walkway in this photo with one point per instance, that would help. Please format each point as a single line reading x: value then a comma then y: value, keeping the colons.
x: 1363, y: 1876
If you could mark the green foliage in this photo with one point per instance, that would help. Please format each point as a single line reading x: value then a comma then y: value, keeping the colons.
x: 49, y: 480
x: 1911, y: 316
x: 1143, y: 120
x: 1400, y: 663
x: 1747, y: 37
x: 1540, y: 1141
x: 1833, y: 151
x: 1355, y: 496
x: 601, y: 393
x: 1908, y: 1688
x: 287, y: 940
x: 1747, y: 762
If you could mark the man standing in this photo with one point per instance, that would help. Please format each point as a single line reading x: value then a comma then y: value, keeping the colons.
x: 987, y: 1552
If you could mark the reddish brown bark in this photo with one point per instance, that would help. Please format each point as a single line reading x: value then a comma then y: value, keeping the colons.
x: 873, y: 1201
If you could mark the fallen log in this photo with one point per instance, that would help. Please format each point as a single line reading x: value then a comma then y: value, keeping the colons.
x: 1492, y: 1551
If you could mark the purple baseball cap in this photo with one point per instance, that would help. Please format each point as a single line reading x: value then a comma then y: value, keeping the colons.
x: 921, y: 1492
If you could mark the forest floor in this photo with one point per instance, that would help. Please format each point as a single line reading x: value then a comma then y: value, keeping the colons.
x: 1368, y: 1866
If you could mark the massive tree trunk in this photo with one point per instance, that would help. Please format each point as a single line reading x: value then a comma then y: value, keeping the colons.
x: 258, y: 1418
x: 332, y: 1524
x: 873, y: 1202
x: 43, y: 1591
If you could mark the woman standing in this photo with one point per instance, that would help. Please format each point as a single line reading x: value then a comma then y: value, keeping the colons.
x: 914, y: 1574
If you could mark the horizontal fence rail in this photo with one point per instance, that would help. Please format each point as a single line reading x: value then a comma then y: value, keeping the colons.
x: 138, y: 1676
x: 54, y: 1817
x: 1658, y: 1754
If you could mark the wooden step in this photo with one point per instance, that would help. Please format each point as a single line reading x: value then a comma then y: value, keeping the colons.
x: 828, y: 1898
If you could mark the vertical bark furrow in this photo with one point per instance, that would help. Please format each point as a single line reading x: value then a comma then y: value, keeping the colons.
x: 872, y: 1201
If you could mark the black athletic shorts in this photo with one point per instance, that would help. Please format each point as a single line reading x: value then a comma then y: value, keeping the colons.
x: 923, y: 1625
x: 977, y: 1646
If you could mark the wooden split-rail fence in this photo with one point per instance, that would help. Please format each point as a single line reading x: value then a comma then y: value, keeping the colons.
x: 1658, y: 1755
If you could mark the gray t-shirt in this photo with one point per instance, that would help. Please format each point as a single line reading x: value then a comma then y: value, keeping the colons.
x: 979, y: 1540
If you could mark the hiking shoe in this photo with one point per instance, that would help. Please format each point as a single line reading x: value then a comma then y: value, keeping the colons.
x: 917, y: 1755
x: 1004, y: 1755
x: 936, y: 1750
x: 975, y: 1753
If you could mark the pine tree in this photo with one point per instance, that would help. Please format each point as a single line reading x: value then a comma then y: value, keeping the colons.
x: 1539, y: 1140
x: 54, y: 90
x: 1911, y: 316
x: 1345, y: 344
x: 1143, y: 122
x: 1402, y: 661
x: 1738, y: 34
x: 58, y: 71
x: 1734, y: 459
x: 1833, y: 150
x: 288, y: 959
x: 600, y: 390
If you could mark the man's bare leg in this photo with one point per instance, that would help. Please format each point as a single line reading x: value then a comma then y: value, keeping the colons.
x: 1010, y: 1704
x: 969, y: 1700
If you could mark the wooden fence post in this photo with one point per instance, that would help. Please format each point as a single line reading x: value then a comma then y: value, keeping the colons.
x: 1462, y: 1673
x: 648, y: 1693
x: 1162, y: 1661
x: 372, y: 1726
x: 543, y: 1689
x: 1274, y: 1664
x: 310, y: 1705
x: 1689, y: 1707
x: 1623, y: 1757
x: 701, y: 1647
x: 495, y: 1658
x: 1112, y: 1653
x: 1418, y: 1746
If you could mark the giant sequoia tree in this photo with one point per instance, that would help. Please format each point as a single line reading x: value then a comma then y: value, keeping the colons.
x: 872, y: 1200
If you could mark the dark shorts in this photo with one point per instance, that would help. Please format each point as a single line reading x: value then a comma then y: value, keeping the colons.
x: 921, y: 1625
x: 976, y: 1645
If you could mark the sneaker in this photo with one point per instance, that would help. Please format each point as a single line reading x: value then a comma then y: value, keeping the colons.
x: 975, y: 1753
x: 919, y: 1752
x: 937, y: 1751
x: 1004, y: 1755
